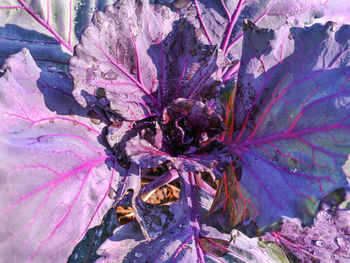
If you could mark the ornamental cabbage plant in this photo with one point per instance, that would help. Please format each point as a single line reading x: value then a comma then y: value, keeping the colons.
x: 244, y: 105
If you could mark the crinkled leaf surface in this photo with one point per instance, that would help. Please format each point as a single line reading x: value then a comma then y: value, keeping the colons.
x: 292, y: 116
x: 181, y: 236
x: 55, y: 175
x: 50, y: 29
x: 138, y: 66
x: 326, y: 241
x: 120, y: 64
x: 222, y: 20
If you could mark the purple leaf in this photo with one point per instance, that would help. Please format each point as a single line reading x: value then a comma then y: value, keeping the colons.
x: 189, y: 128
x: 55, y: 175
x: 177, y: 234
x: 292, y: 117
x: 325, y: 241
x: 50, y: 29
x: 120, y: 68
x: 222, y: 20
x: 142, y: 64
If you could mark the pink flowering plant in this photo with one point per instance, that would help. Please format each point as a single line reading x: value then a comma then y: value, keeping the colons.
x: 245, y: 105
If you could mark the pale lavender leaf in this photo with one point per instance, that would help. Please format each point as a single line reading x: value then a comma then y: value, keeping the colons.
x: 55, y: 175
x: 50, y: 28
x: 120, y: 66
x: 325, y: 241
x: 336, y: 11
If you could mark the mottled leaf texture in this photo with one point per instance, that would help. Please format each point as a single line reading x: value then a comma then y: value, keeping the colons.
x: 55, y: 175
x: 327, y: 241
x: 177, y: 235
x: 49, y: 28
x: 120, y: 65
x: 292, y: 116
x: 141, y: 64
x: 222, y: 20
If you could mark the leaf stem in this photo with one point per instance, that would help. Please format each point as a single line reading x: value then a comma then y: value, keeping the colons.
x: 231, y: 25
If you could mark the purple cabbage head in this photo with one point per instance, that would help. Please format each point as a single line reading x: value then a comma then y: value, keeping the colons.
x: 252, y: 124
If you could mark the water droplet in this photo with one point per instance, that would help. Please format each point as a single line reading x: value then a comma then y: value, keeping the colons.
x: 51, y: 69
x: 319, y: 243
x: 111, y: 193
x: 138, y: 254
x: 104, y: 102
x: 61, y: 74
x: 94, y: 117
x: 76, y: 7
x: 93, y: 9
x: 294, y: 170
x: 334, y: 26
x: 182, y: 226
x: 75, y: 22
x: 51, y: 120
x: 133, y: 70
x: 75, y: 256
x: 119, y: 155
x: 181, y: 3
x: 99, y: 233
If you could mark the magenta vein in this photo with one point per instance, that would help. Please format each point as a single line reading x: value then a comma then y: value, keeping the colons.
x: 143, y: 88
x: 234, y: 19
x: 64, y: 217
x: 46, y: 25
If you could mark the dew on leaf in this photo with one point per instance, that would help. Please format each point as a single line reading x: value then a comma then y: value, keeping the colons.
x: 99, y: 233
x: 75, y: 256
x: 319, y: 243
x: 334, y: 26
x: 104, y: 101
x: 94, y: 117
x: 138, y: 254
x: 182, y: 226
x: 133, y: 70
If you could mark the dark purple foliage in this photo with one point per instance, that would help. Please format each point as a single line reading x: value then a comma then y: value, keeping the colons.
x: 292, y: 116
